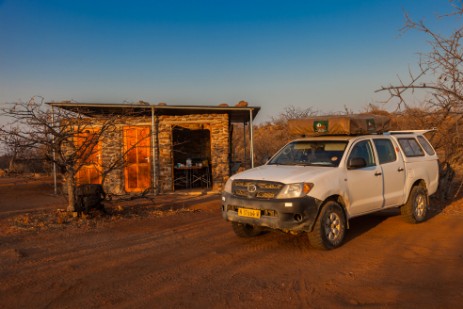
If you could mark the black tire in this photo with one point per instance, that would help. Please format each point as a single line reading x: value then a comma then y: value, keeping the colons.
x: 246, y: 230
x: 415, y: 210
x: 330, y: 227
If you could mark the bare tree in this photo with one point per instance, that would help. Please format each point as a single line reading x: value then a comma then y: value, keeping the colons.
x: 15, y: 147
x: 293, y: 112
x: 439, y: 81
x: 71, y: 139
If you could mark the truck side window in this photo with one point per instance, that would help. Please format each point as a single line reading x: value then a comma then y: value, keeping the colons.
x: 411, y: 147
x: 385, y: 150
x: 427, y: 147
x: 363, y: 150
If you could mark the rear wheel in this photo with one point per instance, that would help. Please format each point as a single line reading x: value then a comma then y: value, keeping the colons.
x: 330, y: 227
x: 416, y: 208
x: 246, y: 230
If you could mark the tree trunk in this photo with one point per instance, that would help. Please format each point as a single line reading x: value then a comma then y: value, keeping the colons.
x: 12, y: 163
x: 71, y: 186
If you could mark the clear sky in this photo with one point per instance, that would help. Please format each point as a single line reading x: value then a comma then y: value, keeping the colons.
x: 319, y: 54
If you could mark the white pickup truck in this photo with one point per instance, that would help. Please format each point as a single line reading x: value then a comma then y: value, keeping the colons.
x: 317, y: 184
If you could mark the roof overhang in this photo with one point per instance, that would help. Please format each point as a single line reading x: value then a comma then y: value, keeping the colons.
x: 236, y: 114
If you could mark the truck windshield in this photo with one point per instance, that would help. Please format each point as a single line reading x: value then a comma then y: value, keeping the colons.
x: 321, y: 153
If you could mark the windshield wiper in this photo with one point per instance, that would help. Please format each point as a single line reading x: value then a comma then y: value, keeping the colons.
x: 322, y: 163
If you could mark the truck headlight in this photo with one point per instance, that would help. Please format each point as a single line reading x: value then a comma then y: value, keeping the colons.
x: 228, y: 186
x: 295, y: 190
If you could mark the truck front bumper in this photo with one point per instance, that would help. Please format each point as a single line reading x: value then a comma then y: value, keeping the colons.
x: 296, y: 214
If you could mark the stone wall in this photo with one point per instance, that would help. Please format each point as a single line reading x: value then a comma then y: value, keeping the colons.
x: 217, y: 124
x: 113, y: 149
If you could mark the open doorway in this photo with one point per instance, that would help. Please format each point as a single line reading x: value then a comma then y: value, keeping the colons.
x: 191, y: 157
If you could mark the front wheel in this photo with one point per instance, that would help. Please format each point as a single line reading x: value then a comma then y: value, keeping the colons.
x: 330, y: 227
x: 246, y: 230
x: 416, y: 208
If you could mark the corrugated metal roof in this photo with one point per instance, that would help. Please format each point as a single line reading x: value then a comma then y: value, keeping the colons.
x: 236, y: 114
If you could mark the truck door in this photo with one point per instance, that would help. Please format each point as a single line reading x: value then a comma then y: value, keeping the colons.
x: 392, y: 167
x: 364, y: 184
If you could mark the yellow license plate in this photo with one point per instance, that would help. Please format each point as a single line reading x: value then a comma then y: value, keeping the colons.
x: 250, y: 213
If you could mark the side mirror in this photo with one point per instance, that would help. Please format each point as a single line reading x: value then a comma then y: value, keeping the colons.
x: 355, y: 163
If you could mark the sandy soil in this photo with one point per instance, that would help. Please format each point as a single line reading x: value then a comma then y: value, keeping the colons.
x: 177, y: 252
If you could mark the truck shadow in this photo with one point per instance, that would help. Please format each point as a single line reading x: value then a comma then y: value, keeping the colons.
x: 438, y: 205
x: 361, y: 225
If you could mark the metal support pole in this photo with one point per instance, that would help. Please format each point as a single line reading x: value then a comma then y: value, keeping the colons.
x: 55, y: 185
x: 153, y: 160
x: 251, y: 138
x: 244, y: 144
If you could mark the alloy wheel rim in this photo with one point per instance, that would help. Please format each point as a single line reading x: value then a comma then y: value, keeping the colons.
x: 420, y: 206
x: 333, y: 227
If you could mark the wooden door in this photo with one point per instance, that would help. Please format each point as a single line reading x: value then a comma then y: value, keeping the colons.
x: 137, y: 158
x: 88, y: 150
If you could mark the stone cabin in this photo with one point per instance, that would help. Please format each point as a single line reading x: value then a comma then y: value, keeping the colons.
x: 166, y: 147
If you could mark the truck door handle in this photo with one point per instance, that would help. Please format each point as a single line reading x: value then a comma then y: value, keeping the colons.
x: 378, y: 174
x: 400, y: 169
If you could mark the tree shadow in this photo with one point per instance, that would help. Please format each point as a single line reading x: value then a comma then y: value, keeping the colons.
x: 362, y: 224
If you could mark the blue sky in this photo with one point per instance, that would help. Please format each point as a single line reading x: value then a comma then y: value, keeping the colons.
x: 319, y: 54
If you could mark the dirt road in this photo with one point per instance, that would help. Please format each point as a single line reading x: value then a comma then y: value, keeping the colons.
x: 190, y: 258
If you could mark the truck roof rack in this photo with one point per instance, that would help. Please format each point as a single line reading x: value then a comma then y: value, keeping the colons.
x: 409, y: 131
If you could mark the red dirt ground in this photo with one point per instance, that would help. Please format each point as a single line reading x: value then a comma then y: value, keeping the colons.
x: 176, y: 252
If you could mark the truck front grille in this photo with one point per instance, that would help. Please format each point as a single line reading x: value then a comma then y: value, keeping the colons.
x: 256, y: 189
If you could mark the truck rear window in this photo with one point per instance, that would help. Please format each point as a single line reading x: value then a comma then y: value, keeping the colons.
x: 426, y: 145
x: 410, y: 147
